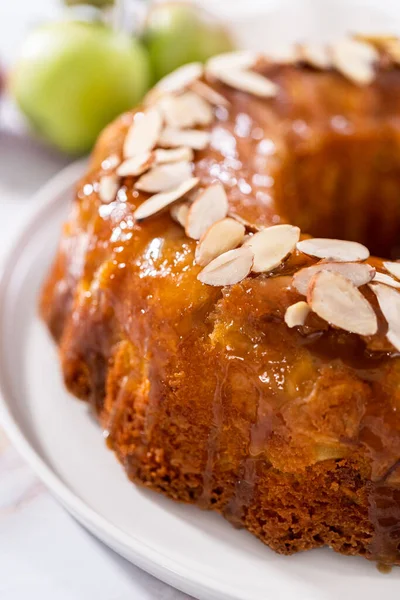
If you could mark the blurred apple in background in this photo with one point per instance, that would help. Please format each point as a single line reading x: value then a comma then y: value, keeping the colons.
x: 73, y: 78
x: 176, y: 33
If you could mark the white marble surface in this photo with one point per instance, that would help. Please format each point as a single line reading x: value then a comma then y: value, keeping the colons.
x: 46, y: 555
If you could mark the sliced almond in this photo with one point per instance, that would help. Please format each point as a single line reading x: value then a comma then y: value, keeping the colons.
x: 248, y: 224
x: 315, y: 55
x: 285, y: 54
x: 393, y: 268
x: 136, y: 165
x: 272, y: 246
x: 248, y: 81
x: 108, y: 188
x: 185, y: 111
x: 355, y: 60
x: 143, y: 134
x: 389, y: 303
x: 336, y: 300
x: 172, y: 138
x: 241, y: 59
x: 208, y: 93
x: 182, y: 153
x: 164, y: 177
x: 210, y: 206
x: 357, y: 273
x: 383, y: 43
x: 222, y: 236
x: 392, y: 47
x: 296, y: 314
x: 340, y: 250
x: 376, y: 39
x: 111, y: 162
x: 228, y: 268
x: 181, y: 78
x: 386, y: 279
x: 156, y: 203
x: 179, y: 213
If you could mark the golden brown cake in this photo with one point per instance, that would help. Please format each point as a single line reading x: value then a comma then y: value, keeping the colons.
x: 224, y: 371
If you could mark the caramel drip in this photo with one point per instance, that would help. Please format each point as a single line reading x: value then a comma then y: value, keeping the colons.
x: 384, y: 513
x: 116, y: 413
x: 243, y: 494
x: 244, y: 488
x: 213, y: 441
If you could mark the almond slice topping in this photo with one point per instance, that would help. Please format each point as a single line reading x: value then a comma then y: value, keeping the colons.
x: 156, y: 203
x: 386, y: 279
x: 340, y: 250
x: 376, y: 39
x: 389, y: 303
x: 392, y: 47
x: 285, y: 54
x: 208, y: 93
x: 172, y: 138
x: 136, y: 165
x: 296, y: 314
x: 239, y: 60
x: 143, y: 134
x: 248, y: 81
x: 210, y: 206
x: 357, y: 273
x: 336, y: 300
x: 108, y: 188
x: 315, y: 55
x: 228, y: 268
x: 182, y: 153
x: 164, y: 177
x: 179, y: 213
x: 185, y: 111
x: 393, y: 268
x: 181, y: 78
x: 355, y: 60
x: 222, y: 236
x: 272, y: 246
x: 111, y: 162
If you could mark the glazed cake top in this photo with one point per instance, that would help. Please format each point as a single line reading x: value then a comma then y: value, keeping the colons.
x: 172, y: 152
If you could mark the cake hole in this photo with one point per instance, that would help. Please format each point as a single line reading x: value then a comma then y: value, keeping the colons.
x: 345, y: 184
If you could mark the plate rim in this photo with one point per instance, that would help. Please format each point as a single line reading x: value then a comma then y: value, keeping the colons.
x: 146, y: 557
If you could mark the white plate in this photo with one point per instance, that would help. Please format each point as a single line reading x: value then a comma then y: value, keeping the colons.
x: 196, y: 551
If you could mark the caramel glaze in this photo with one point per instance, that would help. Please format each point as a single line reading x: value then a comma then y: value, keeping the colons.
x: 204, y: 393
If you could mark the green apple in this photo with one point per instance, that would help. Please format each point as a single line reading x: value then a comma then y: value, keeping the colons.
x: 176, y: 33
x: 74, y: 77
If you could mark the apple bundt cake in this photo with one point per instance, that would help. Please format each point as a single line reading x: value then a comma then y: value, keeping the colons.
x: 214, y: 299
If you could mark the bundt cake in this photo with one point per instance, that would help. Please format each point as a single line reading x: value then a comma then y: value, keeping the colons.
x: 214, y: 299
